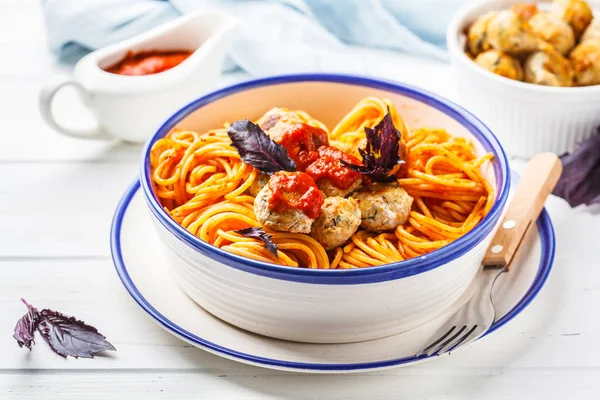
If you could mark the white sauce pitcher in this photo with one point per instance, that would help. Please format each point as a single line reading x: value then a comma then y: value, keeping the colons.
x: 133, y: 107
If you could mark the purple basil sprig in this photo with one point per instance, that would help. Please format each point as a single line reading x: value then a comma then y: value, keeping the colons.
x: 259, y: 233
x: 382, y: 152
x: 580, y: 179
x: 26, y: 326
x: 65, y: 335
x: 258, y: 149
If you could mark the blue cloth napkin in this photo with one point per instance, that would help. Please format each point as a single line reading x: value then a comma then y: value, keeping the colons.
x: 275, y: 36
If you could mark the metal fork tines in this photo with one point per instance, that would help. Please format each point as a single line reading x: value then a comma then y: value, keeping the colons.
x: 471, y: 321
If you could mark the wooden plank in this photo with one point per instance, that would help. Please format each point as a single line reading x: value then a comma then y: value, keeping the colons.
x: 7, y: 4
x: 62, y: 209
x: 28, y: 55
x: 28, y: 138
x: 467, y: 384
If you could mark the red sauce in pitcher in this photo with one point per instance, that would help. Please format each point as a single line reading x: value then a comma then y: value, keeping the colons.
x: 148, y: 63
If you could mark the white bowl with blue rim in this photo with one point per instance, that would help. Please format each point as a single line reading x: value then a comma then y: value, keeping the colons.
x: 326, y: 306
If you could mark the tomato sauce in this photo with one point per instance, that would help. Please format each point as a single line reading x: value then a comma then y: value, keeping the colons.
x: 295, y: 190
x: 148, y: 63
x: 301, y: 142
x: 327, y: 165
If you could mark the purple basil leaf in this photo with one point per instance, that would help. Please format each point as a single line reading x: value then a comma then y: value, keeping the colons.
x: 26, y: 327
x: 68, y: 336
x: 258, y: 149
x: 259, y: 233
x: 580, y: 179
x: 381, y: 154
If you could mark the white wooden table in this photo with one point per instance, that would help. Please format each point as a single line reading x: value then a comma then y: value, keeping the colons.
x: 57, y: 196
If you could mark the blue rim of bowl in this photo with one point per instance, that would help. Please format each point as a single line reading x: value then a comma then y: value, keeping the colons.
x: 545, y: 230
x: 382, y: 273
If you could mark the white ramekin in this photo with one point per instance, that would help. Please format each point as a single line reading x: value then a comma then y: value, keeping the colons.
x: 325, y: 306
x: 527, y: 118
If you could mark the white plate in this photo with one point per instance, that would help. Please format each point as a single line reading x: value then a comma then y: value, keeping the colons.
x: 144, y: 270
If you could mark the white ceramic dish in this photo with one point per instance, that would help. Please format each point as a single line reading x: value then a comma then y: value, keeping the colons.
x: 326, y: 306
x: 133, y: 107
x: 528, y: 119
x: 143, y: 266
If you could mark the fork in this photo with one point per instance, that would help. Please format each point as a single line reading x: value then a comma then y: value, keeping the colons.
x: 474, y: 319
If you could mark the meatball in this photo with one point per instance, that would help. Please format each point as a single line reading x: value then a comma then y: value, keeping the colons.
x: 525, y: 10
x: 585, y: 59
x: 289, y: 220
x: 477, y: 41
x: 280, y: 128
x: 501, y: 64
x: 510, y: 33
x: 553, y: 30
x: 276, y: 114
x: 548, y: 67
x: 275, y: 121
x: 592, y: 31
x: 576, y: 13
x: 383, y: 206
x: 330, y: 190
x: 337, y: 222
x: 259, y: 182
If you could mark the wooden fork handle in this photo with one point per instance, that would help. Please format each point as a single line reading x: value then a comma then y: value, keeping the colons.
x: 538, y: 181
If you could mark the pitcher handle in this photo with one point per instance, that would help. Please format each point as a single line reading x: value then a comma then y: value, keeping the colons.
x: 47, y: 94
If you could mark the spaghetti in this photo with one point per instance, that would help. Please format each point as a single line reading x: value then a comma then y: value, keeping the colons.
x: 201, y: 181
